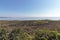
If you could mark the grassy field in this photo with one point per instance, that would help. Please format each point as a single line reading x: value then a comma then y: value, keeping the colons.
x: 30, y: 30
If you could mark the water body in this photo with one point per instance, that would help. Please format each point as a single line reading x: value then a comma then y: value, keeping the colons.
x: 29, y: 18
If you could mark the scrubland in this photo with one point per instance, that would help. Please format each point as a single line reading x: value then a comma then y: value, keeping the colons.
x: 29, y: 30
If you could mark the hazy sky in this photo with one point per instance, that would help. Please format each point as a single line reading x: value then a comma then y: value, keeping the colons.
x: 29, y: 8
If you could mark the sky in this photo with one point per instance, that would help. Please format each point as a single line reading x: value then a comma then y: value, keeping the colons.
x: 29, y: 8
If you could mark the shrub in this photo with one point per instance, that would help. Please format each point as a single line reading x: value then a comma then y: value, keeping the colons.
x: 18, y: 34
x: 3, y: 34
x: 46, y: 35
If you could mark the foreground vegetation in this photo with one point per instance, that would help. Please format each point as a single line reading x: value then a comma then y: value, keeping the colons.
x: 30, y: 30
x: 19, y: 34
